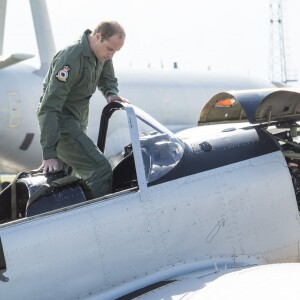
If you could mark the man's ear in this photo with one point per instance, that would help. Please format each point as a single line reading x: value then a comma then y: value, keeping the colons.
x: 98, y: 36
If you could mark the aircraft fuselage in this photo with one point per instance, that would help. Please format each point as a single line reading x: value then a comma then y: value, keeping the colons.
x: 179, y: 216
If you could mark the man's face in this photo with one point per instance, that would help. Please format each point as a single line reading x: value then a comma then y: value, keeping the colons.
x: 106, y: 49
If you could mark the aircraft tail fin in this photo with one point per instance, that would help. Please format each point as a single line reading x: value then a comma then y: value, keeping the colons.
x: 43, y: 33
x: 2, y: 23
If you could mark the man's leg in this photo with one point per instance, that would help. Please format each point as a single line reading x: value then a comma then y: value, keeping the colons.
x: 87, y: 161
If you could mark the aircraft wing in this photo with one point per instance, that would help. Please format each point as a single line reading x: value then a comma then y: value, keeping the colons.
x: 13, y: 59
x: 274, y: 281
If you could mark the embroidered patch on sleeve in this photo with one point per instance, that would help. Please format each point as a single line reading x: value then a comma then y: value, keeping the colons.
x: 63, y: 73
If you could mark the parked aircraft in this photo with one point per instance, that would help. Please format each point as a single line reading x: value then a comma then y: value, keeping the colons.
x: 174, y: 97
x: 190, y: 216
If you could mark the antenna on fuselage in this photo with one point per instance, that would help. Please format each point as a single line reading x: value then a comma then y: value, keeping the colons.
x: 43, y: 33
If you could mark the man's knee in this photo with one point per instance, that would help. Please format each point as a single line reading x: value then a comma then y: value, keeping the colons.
x: 88, y: 163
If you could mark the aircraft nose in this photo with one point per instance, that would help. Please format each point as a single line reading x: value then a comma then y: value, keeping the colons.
x: 19, y: 134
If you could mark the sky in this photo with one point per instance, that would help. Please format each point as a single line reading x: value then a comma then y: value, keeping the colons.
x: 222, y: 36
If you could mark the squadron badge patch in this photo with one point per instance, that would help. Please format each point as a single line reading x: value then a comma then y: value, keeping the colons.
x: 63, y: 73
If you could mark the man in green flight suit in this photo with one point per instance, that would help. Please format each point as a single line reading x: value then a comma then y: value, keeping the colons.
x: 73, y: 76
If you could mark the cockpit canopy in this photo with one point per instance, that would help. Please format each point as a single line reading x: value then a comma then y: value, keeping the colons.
x: 131, y: 127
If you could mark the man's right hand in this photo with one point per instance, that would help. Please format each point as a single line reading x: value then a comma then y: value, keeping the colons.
x: 49, y: 165
x: 112, y: 98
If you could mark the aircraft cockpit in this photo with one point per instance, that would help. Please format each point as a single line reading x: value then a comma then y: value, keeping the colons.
x: 126, y: 129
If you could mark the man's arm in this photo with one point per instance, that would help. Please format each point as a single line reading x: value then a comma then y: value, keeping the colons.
x: 58, y: 83
x: 108, y: 84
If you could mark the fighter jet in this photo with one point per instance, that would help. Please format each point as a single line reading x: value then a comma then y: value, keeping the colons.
x: 204, y: 214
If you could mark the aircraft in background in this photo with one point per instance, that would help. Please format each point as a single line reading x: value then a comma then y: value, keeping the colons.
x: 212, y: 213
x: 174, y: 97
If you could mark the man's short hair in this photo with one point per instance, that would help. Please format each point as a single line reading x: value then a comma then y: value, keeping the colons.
x: 108, y: 29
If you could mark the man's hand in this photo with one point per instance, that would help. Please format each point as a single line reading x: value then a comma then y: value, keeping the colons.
x: 49, y: 165
x: 111, y: 98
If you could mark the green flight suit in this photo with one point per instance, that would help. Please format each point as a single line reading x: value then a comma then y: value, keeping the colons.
x: 63, y: 110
